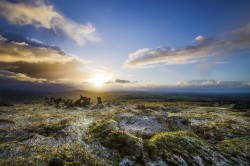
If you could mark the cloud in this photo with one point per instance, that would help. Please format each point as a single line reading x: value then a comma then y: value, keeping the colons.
x: 213, y: 84
x: 200, y: 49
x: 194, y: 86
x: 20, y: 77
x: 2, y: 38
x: 122, y: 81
x: 220, y: 62
x: 119, y: 81
x: 32, y: 61
x: 42, y: 15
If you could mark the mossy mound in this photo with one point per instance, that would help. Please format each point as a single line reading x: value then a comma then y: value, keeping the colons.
x: 236, y: 146
x: 125, y: 143
x: 101, y: 129
x: 183, y: 148
x: 108, y: 134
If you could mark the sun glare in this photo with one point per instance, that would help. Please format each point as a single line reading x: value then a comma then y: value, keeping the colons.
x: 100, y: 80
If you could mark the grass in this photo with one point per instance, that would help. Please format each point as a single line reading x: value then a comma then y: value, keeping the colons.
x: 185, y: 144
x: 236, y: 146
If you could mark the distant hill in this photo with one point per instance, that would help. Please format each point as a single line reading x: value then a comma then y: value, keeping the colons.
x: 22, y: 97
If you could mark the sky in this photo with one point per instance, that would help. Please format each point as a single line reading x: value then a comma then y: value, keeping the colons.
x: 134, y: 45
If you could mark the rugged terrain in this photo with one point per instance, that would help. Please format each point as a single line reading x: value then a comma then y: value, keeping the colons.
x: 126, y: 132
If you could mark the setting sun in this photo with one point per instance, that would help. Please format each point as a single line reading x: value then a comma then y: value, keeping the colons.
x: 100, y: 79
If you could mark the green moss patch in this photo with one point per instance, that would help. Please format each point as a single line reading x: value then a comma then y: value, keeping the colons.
x: 108, y: 134
x: 125, y: 143
x: 101, y: 129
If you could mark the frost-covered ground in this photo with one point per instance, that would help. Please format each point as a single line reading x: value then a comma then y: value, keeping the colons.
x: 133, y: 132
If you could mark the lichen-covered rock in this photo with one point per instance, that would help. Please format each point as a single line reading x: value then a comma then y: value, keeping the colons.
x: 142, y: 124
x: 183, y: 148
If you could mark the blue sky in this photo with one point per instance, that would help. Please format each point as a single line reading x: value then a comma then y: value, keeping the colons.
x: 125, y: 44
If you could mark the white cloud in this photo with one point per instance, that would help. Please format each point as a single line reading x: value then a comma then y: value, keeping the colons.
x: 213, y: 84
x: 199, y: 50
x: 42, y: 15
x: 220, y: 62
x: 2, y: 38
x: 200, y: 38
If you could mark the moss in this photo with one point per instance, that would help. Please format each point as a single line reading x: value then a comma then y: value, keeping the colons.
x: 10, y: 148
x: 108, y: 134
x: 51, y: 129
x: 6, y: 121
x: 12, y: 143
x: 176, y: 123
x: 101, y: 129
x: 73, y: 155
x: 221, y: 130
x: 148, y: 108
x: 236, y: 146
x: 180, y: 148
x: 125, y: 143
x: 144, y: 135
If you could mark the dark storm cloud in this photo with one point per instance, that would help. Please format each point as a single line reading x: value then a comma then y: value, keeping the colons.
x: 201, y: 48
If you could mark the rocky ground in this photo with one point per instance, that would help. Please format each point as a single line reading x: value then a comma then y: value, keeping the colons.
x: 131, y: 132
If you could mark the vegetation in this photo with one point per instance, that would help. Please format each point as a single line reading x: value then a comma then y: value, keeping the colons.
x: 182, y: 148
x: 237, y: 146
x: 133, y: 132
x: 125, y: 143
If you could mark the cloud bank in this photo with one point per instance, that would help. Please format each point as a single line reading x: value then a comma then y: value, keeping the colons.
x: 214, y: 84
x: 199, y: 86
x: 42, y: 15
x: 33, y: 62
x: 200, y: 49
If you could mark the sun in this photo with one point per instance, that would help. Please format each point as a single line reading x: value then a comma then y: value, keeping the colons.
x: 100, y: 79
